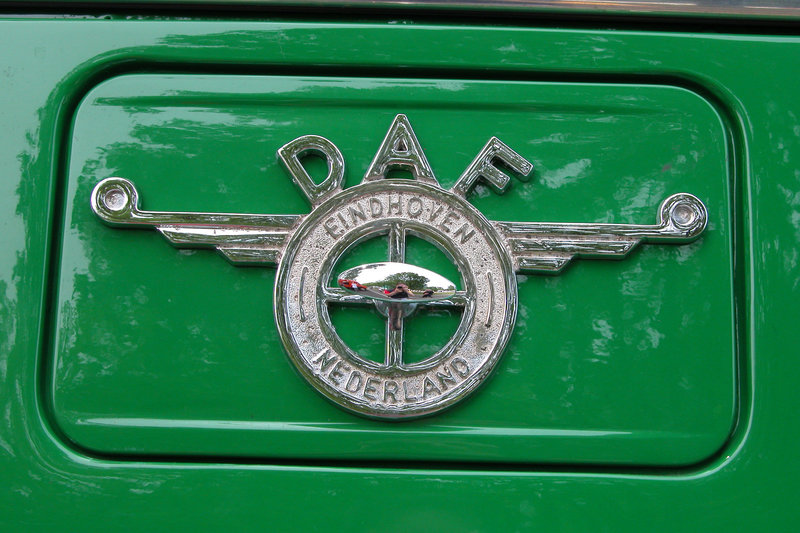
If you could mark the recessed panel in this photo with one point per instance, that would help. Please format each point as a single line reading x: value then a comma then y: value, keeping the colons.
x: 169, y: 351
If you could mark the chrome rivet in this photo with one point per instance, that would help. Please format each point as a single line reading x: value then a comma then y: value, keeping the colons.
x: 684, y: 215
x: 115, y: 199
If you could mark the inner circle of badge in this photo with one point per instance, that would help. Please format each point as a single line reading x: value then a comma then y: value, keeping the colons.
x: 487, y: 254
x: 393, y: 388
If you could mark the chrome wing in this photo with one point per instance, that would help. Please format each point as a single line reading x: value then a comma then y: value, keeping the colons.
x: 549, y: 247
x: 241, y: 238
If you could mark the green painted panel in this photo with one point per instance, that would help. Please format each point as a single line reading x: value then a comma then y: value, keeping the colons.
x: 163, y: 351
x: 749, y: 485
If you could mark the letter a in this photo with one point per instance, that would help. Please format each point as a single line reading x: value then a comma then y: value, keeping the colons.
x: 400, y: 149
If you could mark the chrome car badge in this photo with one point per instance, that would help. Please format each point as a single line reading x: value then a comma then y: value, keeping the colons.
x: 488, y: 254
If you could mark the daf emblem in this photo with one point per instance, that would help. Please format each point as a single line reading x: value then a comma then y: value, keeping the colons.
x: 488, y: 254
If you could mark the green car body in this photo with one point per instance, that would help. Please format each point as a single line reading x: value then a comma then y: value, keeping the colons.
x: 144, y: 387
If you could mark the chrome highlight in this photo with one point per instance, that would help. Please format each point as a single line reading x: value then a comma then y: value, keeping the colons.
x: 397, y: 283
x: 301, y: 293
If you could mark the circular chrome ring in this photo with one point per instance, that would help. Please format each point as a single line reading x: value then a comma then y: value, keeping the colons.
x: 395, y: 390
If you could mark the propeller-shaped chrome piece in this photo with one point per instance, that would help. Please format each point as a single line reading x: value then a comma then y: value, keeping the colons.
x: 396, y: 283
